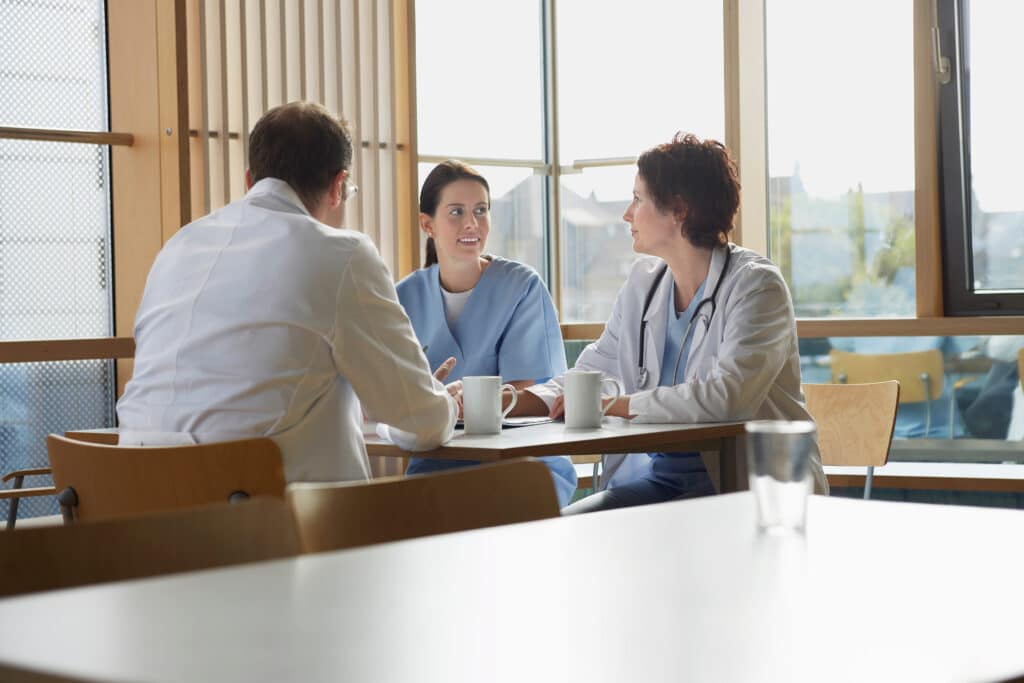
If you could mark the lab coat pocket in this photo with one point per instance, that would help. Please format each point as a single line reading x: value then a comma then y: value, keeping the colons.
x: 709, y: 369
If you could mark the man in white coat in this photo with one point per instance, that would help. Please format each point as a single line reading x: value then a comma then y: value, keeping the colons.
x: 266, y: 318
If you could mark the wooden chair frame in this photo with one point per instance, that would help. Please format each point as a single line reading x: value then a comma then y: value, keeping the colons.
x: 350, y: 514
x: 855, y: 423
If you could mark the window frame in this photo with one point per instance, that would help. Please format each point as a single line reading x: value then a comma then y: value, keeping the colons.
x: 955, y: 149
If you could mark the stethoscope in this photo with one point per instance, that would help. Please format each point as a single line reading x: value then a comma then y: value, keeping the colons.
x: 642, y: 376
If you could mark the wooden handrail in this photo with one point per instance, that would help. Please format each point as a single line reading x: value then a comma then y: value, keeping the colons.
x: 48, y: 350
x: 80, y: 136
x: 808, y: 328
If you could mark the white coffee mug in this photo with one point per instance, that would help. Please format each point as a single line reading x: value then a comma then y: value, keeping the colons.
x: 481, y: 404
x: 583, y: 398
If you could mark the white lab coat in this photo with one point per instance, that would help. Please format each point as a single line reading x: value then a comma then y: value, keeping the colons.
x: 743, y: 361
x: 258, y: 320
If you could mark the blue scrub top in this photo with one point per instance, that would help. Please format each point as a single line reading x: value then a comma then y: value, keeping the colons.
x: 508, y: 327
x: 677, y: 469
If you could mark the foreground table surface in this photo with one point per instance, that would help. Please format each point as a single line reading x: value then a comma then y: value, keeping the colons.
x: 554, y: 438
x: 684, y: 591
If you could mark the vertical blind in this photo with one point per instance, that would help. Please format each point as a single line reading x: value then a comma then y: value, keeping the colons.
x: 248, y: 56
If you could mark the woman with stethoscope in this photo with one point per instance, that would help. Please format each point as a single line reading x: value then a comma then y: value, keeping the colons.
x: 702, y: 330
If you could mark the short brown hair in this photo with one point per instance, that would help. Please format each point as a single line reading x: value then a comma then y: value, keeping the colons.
x: 302, y: 144
x: 699, y: 177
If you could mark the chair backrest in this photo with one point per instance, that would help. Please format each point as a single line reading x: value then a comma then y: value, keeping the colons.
x: 119, y: 481
x: 344, y: 515
x: 44, y: 558
x: 1020, y: 366
x: 906, y: 368
x: 855, y: 421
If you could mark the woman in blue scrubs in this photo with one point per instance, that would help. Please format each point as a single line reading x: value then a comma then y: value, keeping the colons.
x: 493, y: 315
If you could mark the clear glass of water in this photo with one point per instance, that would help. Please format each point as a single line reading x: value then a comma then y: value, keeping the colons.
x: 778, y: 463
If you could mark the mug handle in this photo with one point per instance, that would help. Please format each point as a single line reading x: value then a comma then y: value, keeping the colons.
x: 618, y: 393
x: 515, y: 397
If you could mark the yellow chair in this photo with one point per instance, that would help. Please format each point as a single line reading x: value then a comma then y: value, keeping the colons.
x: 16, y: 492
x: 855, y: 423
x: 97, y: 481
x: 47, y: 558
x: 1020, y: 367
x: 349, y: 514
x: 920, y: 373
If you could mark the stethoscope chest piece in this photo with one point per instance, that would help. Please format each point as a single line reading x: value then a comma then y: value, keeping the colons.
x: 641, y: 378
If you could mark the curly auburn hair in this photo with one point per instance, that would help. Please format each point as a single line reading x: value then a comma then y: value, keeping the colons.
x: 697, y: 178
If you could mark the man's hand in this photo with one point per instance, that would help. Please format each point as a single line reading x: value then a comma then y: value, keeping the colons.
x: 445, y: 369
x: 455, y: 389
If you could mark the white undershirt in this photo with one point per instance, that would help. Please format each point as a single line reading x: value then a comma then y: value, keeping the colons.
x: 454, y: 302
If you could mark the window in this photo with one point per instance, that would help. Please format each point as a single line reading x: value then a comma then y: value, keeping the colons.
x: 981, y: 145
x: 841, y: 160
x: 55, y: 236
x: 619, y: 82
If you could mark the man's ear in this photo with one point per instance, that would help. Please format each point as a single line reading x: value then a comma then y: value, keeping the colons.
x: 338, y: 188
x: 248, y: 180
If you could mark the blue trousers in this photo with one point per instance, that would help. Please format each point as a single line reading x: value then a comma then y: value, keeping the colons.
x: 563, y: 474
x: 644, y: 492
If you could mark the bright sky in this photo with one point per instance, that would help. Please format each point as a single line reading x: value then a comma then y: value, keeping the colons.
x: 997, y: 105
x: 840, y: 88
x: 841, y: 94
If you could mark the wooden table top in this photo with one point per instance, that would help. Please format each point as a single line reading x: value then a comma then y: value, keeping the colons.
x: 553, y: 438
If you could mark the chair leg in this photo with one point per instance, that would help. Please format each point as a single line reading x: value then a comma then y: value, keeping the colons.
x: 867, y: 481
x: 12, y: 510
x: 593, y: 479
x: 927, y: 382
x: 952, y: 411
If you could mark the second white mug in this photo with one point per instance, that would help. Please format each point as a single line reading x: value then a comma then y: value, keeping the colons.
x: 583, y: 398
x: 481, y: 404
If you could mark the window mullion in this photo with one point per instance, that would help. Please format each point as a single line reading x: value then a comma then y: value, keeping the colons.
x: 551, y: 154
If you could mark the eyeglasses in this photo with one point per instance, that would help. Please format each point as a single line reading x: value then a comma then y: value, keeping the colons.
x: 350, y: 188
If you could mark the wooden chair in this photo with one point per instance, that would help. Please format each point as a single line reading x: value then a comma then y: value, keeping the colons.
x: 96, y: 481
x: 115, y: 550
x: 17, y: 492
x: 345, y: 515
x: 920, y: 373
x: 1020, y: 366
x: 855, y: 423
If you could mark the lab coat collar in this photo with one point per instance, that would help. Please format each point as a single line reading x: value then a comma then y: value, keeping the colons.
x: 715, y: 269
x: 656, y: 310
x: 661, y: 296
x: 279, y: 189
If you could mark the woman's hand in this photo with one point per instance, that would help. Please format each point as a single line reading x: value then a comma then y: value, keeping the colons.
x: 619, y: 407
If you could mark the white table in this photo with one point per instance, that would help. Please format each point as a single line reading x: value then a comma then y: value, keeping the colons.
x: 876, y: 592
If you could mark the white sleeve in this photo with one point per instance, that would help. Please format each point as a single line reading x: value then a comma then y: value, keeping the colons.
x: 376, y: 350
x: 600, y: 355
x: 759, y: 334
